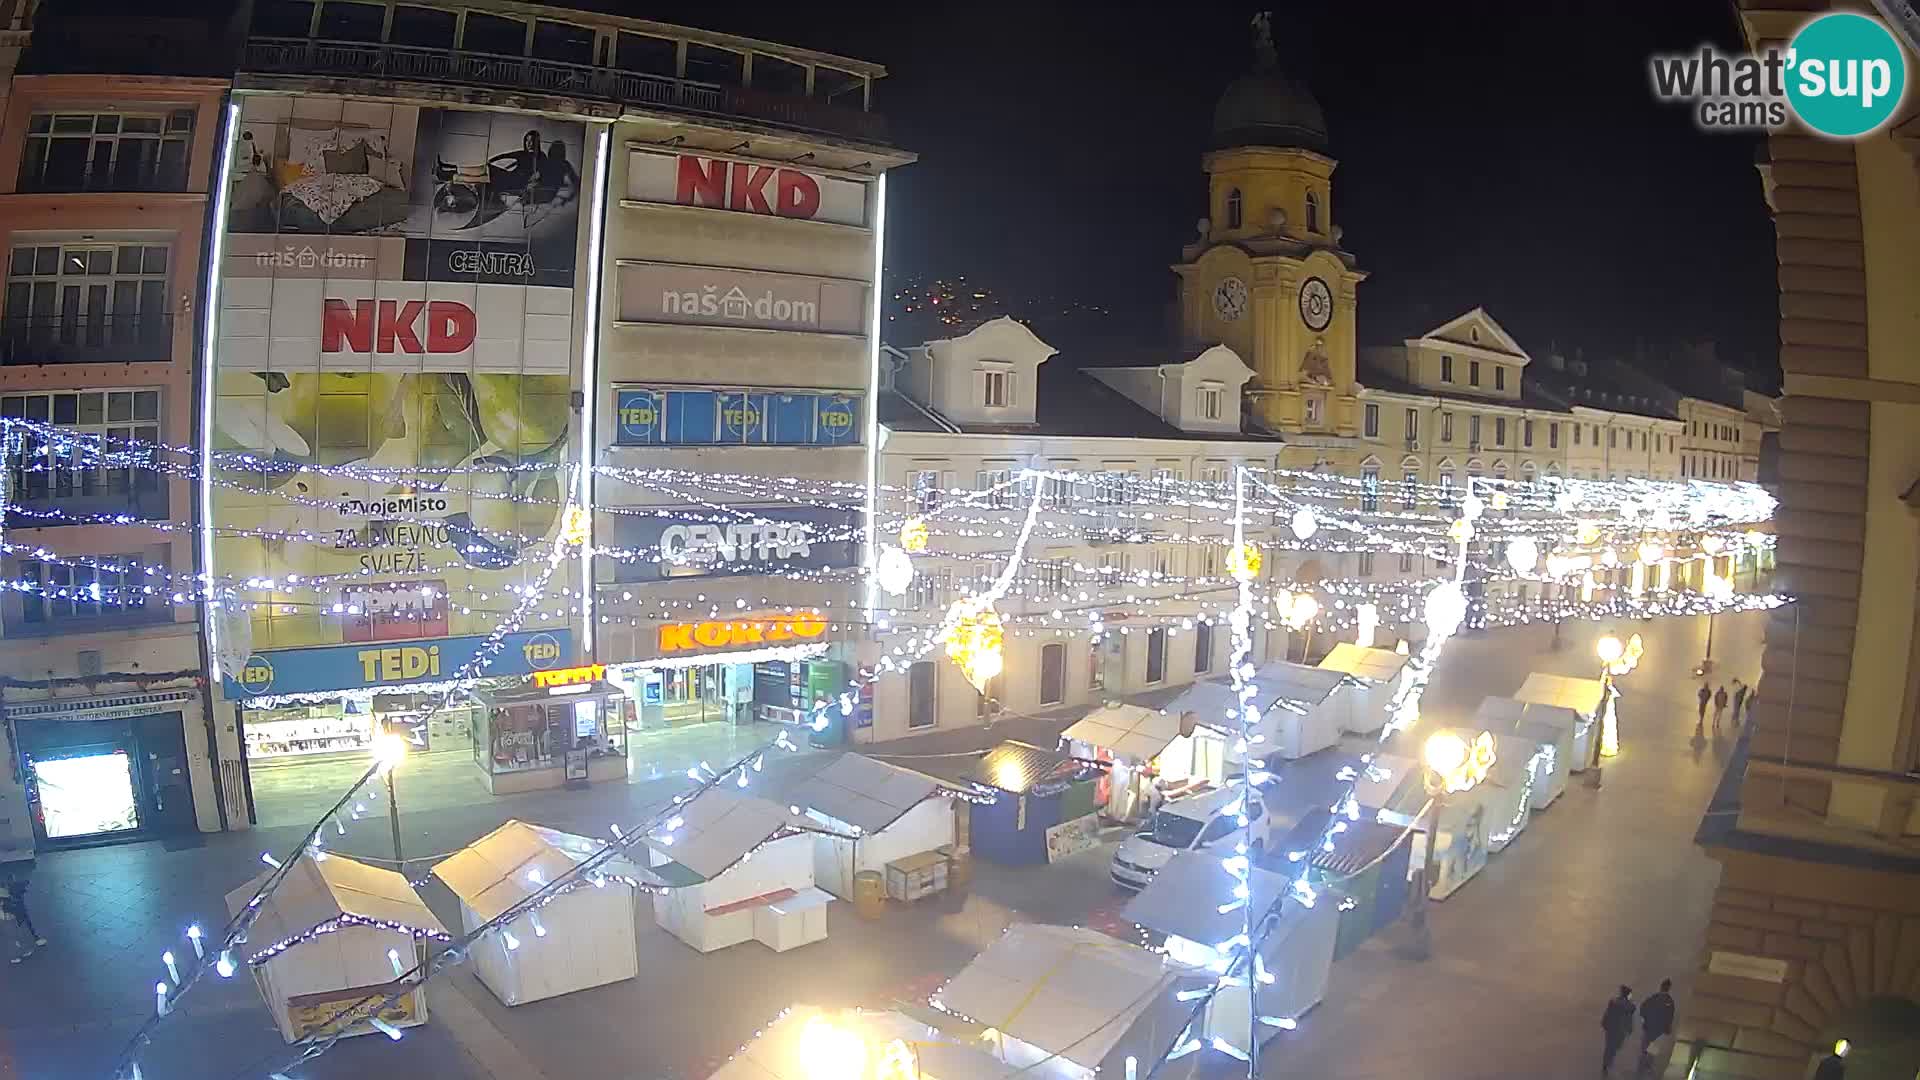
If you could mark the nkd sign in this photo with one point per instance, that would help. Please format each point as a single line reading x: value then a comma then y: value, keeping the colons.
x: 745, y: 187
x: 708, y: 296
x: 394, y: 326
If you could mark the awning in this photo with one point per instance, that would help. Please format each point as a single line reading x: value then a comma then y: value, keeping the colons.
x: 517, y: 860
x: 859, y: 790
x: 1374, y: 665
x: 1581, y: 695
x: 1129, y: 730
x: 719, y: 826
x: 328, y: 889
x: 1186, y: 896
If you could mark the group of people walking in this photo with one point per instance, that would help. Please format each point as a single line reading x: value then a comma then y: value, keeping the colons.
x: 1656, y: 1023
x: 1742, y: 699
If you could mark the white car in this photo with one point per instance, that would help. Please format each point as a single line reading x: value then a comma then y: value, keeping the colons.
x: 1197, y: 823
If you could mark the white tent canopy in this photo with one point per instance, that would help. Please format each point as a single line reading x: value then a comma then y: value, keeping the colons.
x: 718, y: 826
x: 1378, y: 672
x: 1377, y: 665
x: 1072, y: 997
x: 1583, y: 696
x: 1186, y: 896
x: 1292, y: 701
x: 517, y: 860
x: 863, y: 792
x: 785, y: 1048
x: 1131, y: 730
x: 1550, y: 726
x: 332, y: 889
x: 875, y: 813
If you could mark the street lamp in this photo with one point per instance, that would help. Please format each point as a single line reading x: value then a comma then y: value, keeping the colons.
x: 1451, y: 764
x: 1613, y: 654
x: 389, y: 750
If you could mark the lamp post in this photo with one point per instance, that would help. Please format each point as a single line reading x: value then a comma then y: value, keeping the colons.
x: 1611, y: 652
x: 390, y: 749
x: 1449, y: 764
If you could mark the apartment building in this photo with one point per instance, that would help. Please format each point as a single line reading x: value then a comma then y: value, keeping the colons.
x: 1816, y: 830
x: 107, y: 157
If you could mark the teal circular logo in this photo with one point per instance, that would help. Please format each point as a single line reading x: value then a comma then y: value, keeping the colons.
x: 1845, y: 74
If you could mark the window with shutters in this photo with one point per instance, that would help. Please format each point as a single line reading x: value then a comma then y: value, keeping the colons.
x: 996, y: 388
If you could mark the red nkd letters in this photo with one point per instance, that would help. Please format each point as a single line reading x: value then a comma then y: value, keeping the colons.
x: 390, y: 326
x: 737, y: 185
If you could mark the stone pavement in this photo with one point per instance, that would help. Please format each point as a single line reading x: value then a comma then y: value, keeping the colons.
x: 1602, y: 888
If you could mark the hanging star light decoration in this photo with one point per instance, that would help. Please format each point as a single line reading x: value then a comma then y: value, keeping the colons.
x: 913, y: 535
x: 1244, y: 561
x: 975, y: 640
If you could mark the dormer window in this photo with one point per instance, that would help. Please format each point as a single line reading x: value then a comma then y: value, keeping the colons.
x: 1210, y: 401
x: 996, y: 388
x: 1235, y: 209
x: 1313, y: 212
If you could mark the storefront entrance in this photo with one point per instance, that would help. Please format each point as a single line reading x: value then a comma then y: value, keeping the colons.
x: 103, y: 780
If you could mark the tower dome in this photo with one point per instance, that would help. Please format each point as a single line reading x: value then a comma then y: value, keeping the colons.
x: 1265, y: 108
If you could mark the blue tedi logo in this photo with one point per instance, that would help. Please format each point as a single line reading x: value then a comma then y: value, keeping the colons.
x: 1843, y: 75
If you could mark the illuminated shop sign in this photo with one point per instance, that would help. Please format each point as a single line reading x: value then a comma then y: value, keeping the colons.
x: 769, y: 539
x: 719, y: 296
x: 662, y: 417
x: 572, y: 676
x: 745, y: 187
x: 741, y: 633
x: 355, y: 667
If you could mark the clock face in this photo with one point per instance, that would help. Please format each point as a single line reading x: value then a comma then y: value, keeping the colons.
x: 1316, y: 304
x: 1230, y: 298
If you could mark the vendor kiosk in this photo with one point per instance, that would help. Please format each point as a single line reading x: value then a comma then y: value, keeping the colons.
x: 1391, y: 789
x: 737, y: 868
x: 334, y: 934
x: 861, y: 1044
x: 1043, y: 805
x: 1582, y: 697
x: 876, y: 815
x: 1142, y: 747
x: 1298, y: 706
x: 550, y: 733
x: 582, y: 938
x: 1066, y: 1003
x: 1378, y: 675
x: 1185, y: 902
x: 1550, y: 727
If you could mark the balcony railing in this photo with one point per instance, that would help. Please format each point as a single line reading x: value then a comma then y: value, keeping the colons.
x: 80, y: 339
x: 373, y: 60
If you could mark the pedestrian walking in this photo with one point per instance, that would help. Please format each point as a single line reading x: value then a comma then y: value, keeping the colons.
x: 1752, y: 696
x: 1739, y: 700
x: 1706, y: 696
x: 1719, y: 708
x: 1656, y: 1021
x: 1616, y: 1024
x: 1834, y: 1065
x: 13, y: 908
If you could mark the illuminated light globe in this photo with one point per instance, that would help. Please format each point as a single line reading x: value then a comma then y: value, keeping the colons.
x: 1716, y: 587
x: 1461, y: 530
x: 1446, y: 609
x: 827, y: 1052
x: 1303, y: 524
x: 1523, y: 554
x: 1301, y: 610
x: 1651, y: 553
x: 894, y: 571
x: 1244, y: 561
x: 1445, y: 753
x: 913, y: 534
x: 1586, y: 532
x: 1499, y: 500
x: 1472, y: 506
x: 1712, y: 544
x: 389, y: 750
x: 1610, y: 650
x: 1609, y: 557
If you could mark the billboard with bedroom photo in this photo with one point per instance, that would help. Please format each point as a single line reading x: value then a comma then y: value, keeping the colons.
x: 397, y: 335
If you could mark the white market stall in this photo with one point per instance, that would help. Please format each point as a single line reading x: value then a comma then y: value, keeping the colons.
x: 1390, y: 789
x: 1296, y: 949
x: 1583, y: 697
x: 811, y: 1043
x: 1299, y: 709
x: 333, y: 934
x: 581, y: 938
x: 1550, y: 727
x: 1145, y: 746
x: 737, y: 868
x: 1378, y: 675
x: 880, y: 818
x: 1065, y: 1003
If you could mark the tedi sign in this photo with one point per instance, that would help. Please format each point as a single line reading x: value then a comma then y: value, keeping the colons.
x: 392, y: 326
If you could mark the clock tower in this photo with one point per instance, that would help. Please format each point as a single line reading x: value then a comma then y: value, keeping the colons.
x: 1266, y: 275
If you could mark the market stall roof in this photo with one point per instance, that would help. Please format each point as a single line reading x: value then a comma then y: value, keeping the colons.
x: 1390, y: 782
x: 1069, y: 991
x: 860, y: 790
x: 1017, y: 768
x: 320, y: 890
x: 1132, y: 730
x: 1185, y: 898
x: 1358, y: 846
x: 1526, y: 718
x: 720, y: 825
x: 776, y: 1053
x: 1581, y: 695
x: 517, y: 860
x: 1378, y: 665
x: 1279, y: 680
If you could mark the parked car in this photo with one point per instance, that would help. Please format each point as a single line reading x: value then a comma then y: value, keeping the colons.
x: 1197, y: 823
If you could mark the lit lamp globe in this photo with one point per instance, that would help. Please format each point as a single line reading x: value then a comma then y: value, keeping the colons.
x: 1523, y: 554
x: 1445, y: 754
x: 1446, y: 609
x: 1303, y: 524
x: 1302, y: 610
x: 1610, y: 650
x: 1651, y: 553
x: 389, y: 750
x: 894, y: 571
x: 1712, y: 544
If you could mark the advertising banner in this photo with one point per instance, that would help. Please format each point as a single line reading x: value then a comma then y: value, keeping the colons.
x: 784, y: 538
x: 397, y: 332
x: 744, y: 187
x: 717, y: 296
x: 698, y: 417
x: 358, y: 667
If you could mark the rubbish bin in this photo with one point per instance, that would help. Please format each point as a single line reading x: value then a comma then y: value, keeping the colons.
x: 869, y: 894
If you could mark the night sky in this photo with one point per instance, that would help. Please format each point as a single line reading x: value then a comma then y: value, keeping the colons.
x: 1505, y: 154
